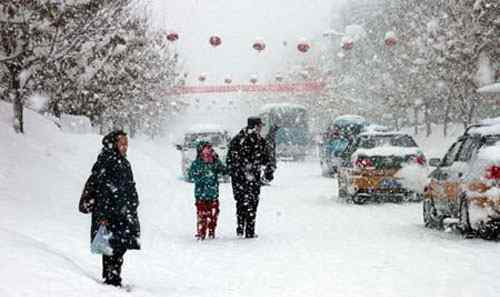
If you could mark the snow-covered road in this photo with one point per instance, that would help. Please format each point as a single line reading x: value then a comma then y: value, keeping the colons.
x: 309, y: 244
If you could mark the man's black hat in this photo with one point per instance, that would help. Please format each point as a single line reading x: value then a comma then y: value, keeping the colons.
x: 254, y: 121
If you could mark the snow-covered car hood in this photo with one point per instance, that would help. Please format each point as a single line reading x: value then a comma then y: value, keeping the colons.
x: 388, y: 151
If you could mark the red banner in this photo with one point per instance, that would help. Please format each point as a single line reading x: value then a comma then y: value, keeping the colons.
x: 270, y: 88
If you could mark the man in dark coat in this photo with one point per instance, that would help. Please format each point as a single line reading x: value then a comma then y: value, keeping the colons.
x: 247, y: 153
x: 116, y: 203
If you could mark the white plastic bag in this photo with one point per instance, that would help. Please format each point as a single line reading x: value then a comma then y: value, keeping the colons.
x: 100, y: 244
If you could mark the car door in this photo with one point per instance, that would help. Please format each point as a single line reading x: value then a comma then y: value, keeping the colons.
x: 455, y: 181
x: 346, y: 168
x: 443, y: 177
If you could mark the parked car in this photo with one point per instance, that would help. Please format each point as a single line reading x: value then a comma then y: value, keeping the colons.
x: 382, y: 166
x: 334, y: 141
x: 464, y: 189
x: 216, y: 135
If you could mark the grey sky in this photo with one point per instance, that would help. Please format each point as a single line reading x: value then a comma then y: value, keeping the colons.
x: 239, y: 23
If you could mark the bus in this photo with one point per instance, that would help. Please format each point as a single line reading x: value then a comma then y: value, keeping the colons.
x: 335, y: 140
x: 292, y: 138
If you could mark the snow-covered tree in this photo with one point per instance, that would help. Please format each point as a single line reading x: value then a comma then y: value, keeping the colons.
x: 438, y: 53
x: 38, y: 35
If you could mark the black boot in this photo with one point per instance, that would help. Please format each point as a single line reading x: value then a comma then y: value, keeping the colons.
x: 112, y: 268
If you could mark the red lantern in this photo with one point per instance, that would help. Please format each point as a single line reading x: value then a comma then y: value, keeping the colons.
x: 215, y: 41
x: 259, y: 45
x: 202, y: 78
x: 390, y: 39
x: 172, y: 36
x: 228, y: 81
x: 303, y: 47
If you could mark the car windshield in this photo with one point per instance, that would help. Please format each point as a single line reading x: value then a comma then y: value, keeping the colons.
x: 192, y: 139
x: 372, y: 141
x: 338, y: 144
x: 291, y: 118
x: 493, y: 140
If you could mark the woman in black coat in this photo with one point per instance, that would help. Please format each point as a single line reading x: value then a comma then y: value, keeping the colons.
x: 116, y: 203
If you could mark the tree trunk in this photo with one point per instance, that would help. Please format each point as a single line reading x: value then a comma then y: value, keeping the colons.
x: 132, y: 129
x: 470, y: 114
x: 416, y: 120
x: 446, y: 117
x: 427, y: 121
x: 17, y: 100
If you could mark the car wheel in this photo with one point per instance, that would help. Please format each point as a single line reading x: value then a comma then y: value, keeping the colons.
x: 431, y: 217
x: 465, y: 226
x: 488, y: 231
x: 359, y: 199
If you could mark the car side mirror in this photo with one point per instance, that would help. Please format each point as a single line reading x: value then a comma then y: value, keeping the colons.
x: 434, y: 162
x: 178, y: 147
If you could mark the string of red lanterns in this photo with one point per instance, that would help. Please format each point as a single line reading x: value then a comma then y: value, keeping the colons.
x: 347, y: 43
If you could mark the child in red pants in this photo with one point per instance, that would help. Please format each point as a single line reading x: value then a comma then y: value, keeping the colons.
x: 205, y: 172
x: 207, y: 212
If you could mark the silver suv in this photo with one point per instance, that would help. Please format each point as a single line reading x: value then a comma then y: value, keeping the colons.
x: 217, y: 136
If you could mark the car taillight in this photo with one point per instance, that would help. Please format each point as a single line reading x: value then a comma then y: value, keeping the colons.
x: 363, y: 163
x: 420, y: 159
x: 493, y: 172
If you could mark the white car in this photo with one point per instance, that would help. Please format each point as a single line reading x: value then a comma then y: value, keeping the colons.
x: 216, y: 135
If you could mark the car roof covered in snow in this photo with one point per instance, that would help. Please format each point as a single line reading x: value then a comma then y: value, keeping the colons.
x: 374, y: 128
x: 485, y: 127
x: 490, y: 89
x: 271, y: 106
x: 351, y: 118
x: 489, y: 122
x: 383, y: 133
x: 388, y: 151
x: 206, y: 128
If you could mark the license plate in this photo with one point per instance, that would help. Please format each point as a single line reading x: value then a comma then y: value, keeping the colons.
x: 389, y: 184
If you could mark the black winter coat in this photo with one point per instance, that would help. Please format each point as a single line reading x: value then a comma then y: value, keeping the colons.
x: 116, y: 199
x: 246, y: 155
